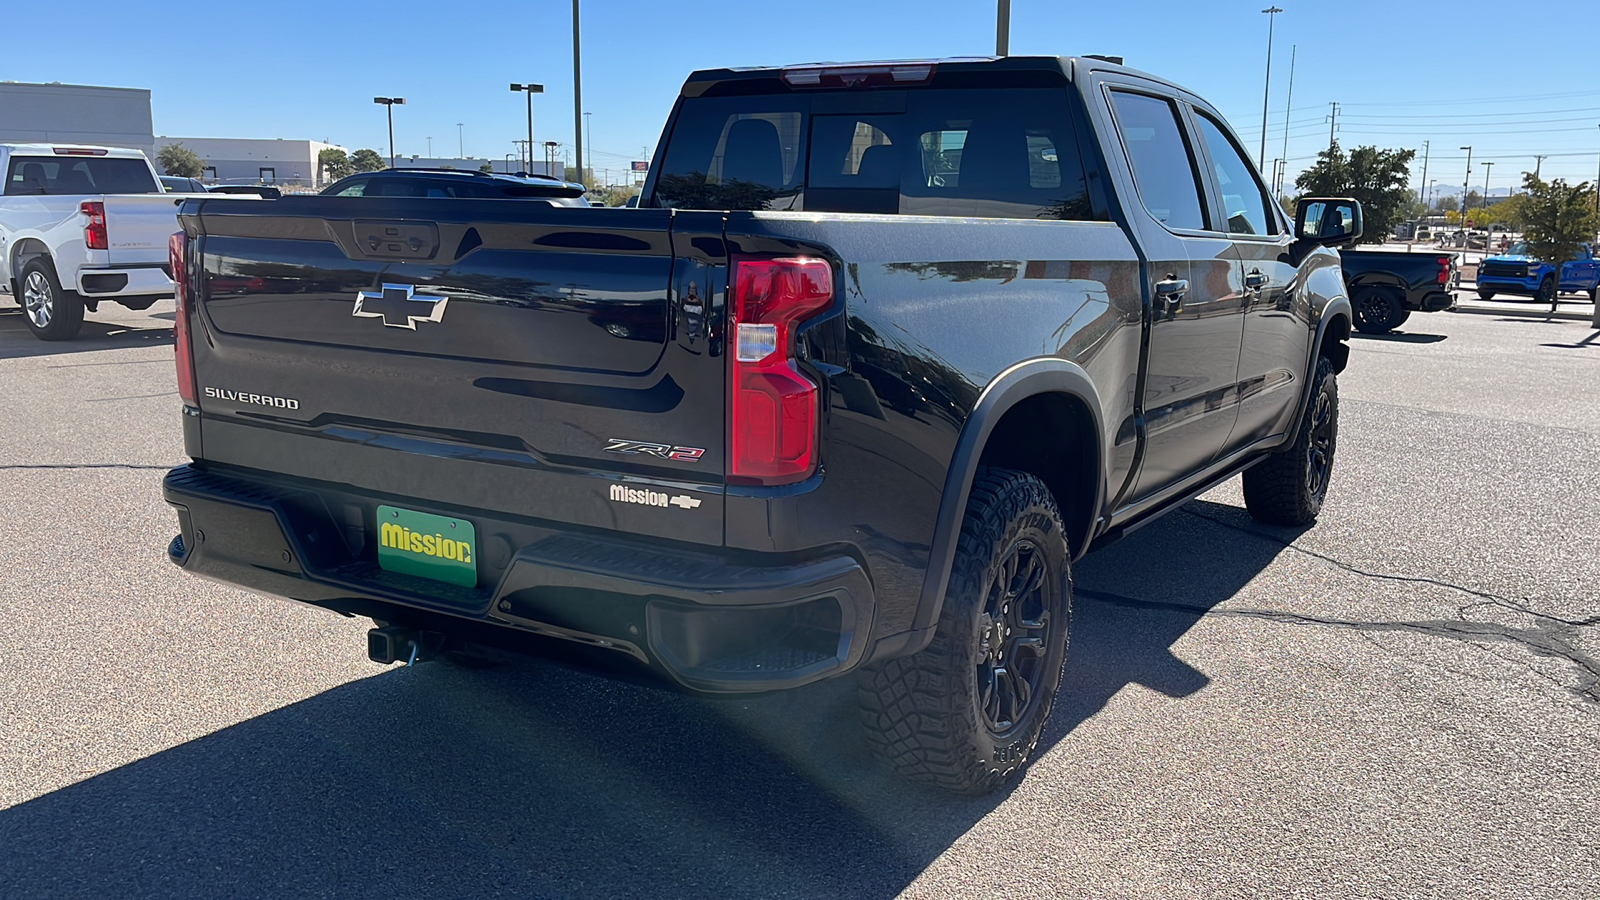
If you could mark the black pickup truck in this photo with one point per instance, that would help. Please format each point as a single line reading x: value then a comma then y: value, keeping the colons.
x: 885, y: 349
x: 1387, y: 286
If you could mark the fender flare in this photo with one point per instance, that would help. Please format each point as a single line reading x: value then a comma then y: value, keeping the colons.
x: 1333, y: 309
x: 1023, y: 380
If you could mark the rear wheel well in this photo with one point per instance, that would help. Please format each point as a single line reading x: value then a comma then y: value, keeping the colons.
x: 1052, y: 437
x: 24, y: 252
x: 1335, y: 343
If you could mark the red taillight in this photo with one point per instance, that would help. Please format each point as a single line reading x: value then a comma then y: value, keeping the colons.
x: 176, y: 247
x: 94, y: 233
x: 1444, y: 270
x: 772, y: 406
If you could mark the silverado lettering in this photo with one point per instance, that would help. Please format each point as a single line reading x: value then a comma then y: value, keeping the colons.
x: 935, y: 329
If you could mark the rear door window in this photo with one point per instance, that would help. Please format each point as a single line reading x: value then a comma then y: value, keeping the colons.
x: 1163, y: 167
x: 991, y: 153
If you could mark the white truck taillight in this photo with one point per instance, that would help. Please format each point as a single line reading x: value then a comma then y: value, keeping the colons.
x: 94, y: 232
x: 772, y: 405
x: 177, y: 245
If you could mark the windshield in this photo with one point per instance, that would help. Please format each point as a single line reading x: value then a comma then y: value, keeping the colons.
x: 1520, y: 248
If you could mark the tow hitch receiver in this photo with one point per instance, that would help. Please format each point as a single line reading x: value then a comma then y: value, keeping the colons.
x: 396, y: 643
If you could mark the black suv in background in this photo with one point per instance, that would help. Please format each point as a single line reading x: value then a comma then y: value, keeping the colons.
x: 459, y: 184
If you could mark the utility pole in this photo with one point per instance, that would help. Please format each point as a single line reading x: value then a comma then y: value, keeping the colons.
x: 1333, y: 119
x: 1538, y: 162
x: 1271, y: 13
x: 524, y: 155
x: 1466, y: 186
x: 430, y: 146
x: 588, y: 127
x: 577, y: 92
x: 1424, y: 179
x: 1488, y: 240
x: 461, y: 140
x: 1288, y: 105
x: 1002, y: 29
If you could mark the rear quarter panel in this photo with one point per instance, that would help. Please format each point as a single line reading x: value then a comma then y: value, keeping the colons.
x: 933, y: 310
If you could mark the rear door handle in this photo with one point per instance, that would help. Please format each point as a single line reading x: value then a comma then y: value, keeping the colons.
x: 1171, y: 291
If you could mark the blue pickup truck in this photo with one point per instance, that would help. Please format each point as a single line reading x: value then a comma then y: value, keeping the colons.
x: 1518, y: 272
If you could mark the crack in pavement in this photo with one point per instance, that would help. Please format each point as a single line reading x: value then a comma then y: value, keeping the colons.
x: 1550, y: 636
x: 1488, y: 599
x: 1550, y: 639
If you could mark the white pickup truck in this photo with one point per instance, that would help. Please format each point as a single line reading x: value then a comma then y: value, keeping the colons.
x: 79, y: 225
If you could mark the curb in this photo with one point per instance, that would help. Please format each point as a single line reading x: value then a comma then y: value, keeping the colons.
x: 1539, y: 313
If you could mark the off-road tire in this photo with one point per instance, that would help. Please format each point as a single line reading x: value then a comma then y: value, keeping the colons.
x: 1547, y: 290
x: 1401, y: 319
x: 51, y: 313
x: 1377, y: 309
x: 1288, y: 487
x: 1486, y: 295
x: 933, y: 715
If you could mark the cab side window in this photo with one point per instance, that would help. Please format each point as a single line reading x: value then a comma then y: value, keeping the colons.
x: 1163, y: 167
x: 1243, y: 200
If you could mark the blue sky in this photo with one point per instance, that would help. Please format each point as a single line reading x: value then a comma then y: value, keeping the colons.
x: 1465, y: 72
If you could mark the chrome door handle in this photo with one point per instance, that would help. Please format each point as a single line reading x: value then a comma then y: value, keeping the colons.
x: 1255, y: 281
x: 1170, y: 292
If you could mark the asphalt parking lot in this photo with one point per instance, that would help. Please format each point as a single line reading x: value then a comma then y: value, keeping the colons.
x: 1403, y: 701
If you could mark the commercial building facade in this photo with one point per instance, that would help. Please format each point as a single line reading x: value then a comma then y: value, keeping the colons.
x: 251, y: 161
x: 76, y: 114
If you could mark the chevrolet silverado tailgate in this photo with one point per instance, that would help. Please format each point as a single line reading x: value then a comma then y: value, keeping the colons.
x: 137, y: 227
x: 497, y: 355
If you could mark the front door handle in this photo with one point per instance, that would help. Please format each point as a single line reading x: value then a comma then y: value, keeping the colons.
x: 1170, y: 292
x: 1255, y: 281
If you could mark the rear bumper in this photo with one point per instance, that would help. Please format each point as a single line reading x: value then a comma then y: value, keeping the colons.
x: 711, y: 621
x: 1434, y: 301
x: 127, y: 281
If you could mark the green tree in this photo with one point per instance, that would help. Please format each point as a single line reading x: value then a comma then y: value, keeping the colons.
x: 1557, y: 217
x: 1377, y: 178
x: 1509, y: 212
x: 176, y: 159
x: 486, y: 167
x: 334, y: 163
x: 367, y: 161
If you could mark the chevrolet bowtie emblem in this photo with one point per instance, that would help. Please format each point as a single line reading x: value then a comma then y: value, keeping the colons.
x: 399, y: 306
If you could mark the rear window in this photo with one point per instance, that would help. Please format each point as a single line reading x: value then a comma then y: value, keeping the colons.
x: 935, y: 152
x: 79, y: 175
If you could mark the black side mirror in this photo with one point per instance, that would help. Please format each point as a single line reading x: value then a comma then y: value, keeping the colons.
x: 1329, y: 221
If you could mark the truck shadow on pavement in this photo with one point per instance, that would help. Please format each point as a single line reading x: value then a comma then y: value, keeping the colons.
x: 17, y: 342
x: 1403, y: 337
x: 531, y: 780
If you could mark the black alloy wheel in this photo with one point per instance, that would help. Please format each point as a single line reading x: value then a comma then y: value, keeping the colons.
x: 1013, y: 629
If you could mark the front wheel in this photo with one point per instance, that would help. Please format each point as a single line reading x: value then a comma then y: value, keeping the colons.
x: 1547, y: 291
x: 52, y: 314
x: 966, y: 712
x: 1486, y: 295
x: 1288, y: 487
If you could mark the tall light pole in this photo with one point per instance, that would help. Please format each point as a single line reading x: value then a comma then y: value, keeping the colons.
x: 1424, y: 179
x: 530, y: 89
x: 1288, y: 106
x: 430, y: 146
x: 1002, y: 29
x: 577, y: 91
x: 1597, y: 212
x: 1488, y: 167
x: 1466, y: 186
x: 1266, y: 89
x: 390, y: 103
x: 461, y: 141
x: 588, y: 125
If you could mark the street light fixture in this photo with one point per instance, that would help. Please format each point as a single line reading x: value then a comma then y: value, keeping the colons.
x: 1271, y: 13
x: 390, y: 103
x: 530, y: 90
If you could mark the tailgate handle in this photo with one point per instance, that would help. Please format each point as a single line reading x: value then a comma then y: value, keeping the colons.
x: 396, y: 240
